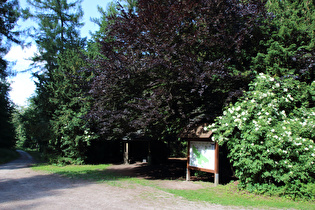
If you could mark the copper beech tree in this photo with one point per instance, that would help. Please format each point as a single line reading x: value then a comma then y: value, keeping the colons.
x: 169, y: 64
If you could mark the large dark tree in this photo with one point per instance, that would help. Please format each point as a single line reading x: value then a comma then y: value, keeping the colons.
x: 173, y: 64
x: 9, y: 14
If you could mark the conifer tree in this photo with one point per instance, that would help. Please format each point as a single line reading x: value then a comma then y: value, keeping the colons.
x: 9, y: 14
x: 72, y: 132
x: 58, y: 29
x: 290, y: 46
x: 59, y: 22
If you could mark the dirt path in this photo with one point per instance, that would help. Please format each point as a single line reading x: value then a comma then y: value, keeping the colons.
x: 23, y: 188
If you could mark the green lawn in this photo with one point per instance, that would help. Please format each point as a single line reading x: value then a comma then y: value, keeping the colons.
x: 87, y: 172
x: 223, y: 194
x: 230, y: 196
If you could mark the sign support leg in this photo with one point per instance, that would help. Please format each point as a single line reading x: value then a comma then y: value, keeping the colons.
x: 187, y: 174
x: 126, y: 153
x: 216, y: 165
x: 216, y: 179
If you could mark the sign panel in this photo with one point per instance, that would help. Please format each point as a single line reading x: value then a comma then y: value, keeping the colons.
x: 202, y: 154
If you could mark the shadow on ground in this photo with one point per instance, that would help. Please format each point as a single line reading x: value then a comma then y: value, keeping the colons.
x: 172, y: 169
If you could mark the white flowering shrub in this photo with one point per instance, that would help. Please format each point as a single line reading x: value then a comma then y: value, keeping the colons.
x: 270, y: 134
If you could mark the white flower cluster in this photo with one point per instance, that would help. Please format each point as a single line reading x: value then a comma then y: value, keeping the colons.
x: 267, y: 127
x: 260, y: 110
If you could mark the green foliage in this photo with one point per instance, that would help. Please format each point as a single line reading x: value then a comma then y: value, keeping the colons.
x: 58, y: 24
x: 270, y: 134
x: 65, y: 136
x: 7, y: 132
x: 18, y: 125
x: 72, y: 134
x: 270, y: 131
x: 31, y: 128
x: 9, y: 15
x: 290, y: 45
x: 54, y: 120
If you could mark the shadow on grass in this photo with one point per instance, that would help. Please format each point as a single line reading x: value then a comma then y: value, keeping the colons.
x: 172, y: 169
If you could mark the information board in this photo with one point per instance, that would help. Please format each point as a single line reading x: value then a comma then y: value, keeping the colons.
x: 202, y: 154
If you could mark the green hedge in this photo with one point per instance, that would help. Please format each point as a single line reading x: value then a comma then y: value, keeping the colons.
x: 270, y: 134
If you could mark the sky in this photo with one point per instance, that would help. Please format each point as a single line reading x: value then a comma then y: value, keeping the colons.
x: 22, y: 85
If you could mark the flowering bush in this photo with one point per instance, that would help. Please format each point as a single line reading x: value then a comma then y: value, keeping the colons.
x: 270, y: 134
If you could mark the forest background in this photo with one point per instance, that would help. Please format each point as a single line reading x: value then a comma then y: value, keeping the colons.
x: 155, y: 68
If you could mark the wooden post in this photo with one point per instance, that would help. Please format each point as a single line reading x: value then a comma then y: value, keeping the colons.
x: 187, y: 174
x: 149, y: 158
x: 188, y: 157
x: 126, y: 153
x: 216, y: 165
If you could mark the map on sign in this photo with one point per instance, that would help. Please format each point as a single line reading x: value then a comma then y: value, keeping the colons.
x: 202, y: 154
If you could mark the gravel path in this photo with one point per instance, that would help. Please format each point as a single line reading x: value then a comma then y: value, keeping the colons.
x: 23, y: 188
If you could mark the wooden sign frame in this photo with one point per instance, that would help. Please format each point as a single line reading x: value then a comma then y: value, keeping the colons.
x: 214, y: 170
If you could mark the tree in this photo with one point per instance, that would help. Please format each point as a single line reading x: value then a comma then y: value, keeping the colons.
x: 9, y: 14
x: 270, y: 136
x: 30, y: 128
x: 72, y: 131
x: 172, y: 64
x: 7, y: 134
x: 58, y: 31
x: 58, y: 24
x: 269, y: 131
x: 105, y: 20
x: 290, y: 47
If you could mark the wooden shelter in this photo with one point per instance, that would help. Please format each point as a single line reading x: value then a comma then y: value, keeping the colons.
x: 143, y: 149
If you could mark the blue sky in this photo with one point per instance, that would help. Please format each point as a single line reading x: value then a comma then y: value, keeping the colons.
x: 22, y: 85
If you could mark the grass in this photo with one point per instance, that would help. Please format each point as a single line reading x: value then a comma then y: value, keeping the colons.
x: 227, y: 195
x: 7, y: 155
x: 87, y: 172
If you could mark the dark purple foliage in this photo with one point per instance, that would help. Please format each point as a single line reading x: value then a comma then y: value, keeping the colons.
x: 173, y: 64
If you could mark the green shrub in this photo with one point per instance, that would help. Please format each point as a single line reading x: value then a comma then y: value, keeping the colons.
x: 270, y: 134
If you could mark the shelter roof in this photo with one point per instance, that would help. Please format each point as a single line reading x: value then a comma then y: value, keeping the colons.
x: 197, y: 132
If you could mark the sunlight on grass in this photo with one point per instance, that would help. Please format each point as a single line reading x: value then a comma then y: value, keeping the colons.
x: 227, y: 195
x: 87, y: 172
